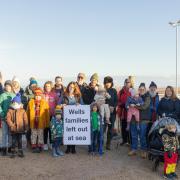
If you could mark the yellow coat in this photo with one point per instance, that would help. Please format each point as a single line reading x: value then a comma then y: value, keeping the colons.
x: 44, y: 114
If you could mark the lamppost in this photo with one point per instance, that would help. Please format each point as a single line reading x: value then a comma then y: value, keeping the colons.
x: 176, y: 24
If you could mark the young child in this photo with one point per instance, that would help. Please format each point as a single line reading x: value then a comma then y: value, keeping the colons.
x: 171, y: 146
x: 100, y: 100
x: 38, y: 115
x: 5, y: 102
x: 56, y: 126
x: 18, y: 124
x: 95, y: 127
x: 133, y: 100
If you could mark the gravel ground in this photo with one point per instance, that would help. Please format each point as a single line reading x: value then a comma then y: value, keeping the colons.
x: 112, y: 165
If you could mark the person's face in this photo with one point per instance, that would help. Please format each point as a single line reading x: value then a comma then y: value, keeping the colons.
x: 38, y: 97
x: 58, y: 116
x: 142, y: 90
x: 152, y: 91
x: 80, y: 80
x: 108, y: 85
x: 8, y: 88
x: 15, y: 85
x: 33, y: 87
x: 94, y: 82
x: 168, y: 92
x: 48, y: 88
x: 58, y: 82
x: 71, y: 88
x: 127, y: 84
x: 94, y: 108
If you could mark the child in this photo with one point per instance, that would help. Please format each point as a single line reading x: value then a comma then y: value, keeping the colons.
x: 95, y: 127
x: 5, y: 102
x: 100, y: 100
x: 56, y: 126
x: 18, y: 124
x: 133, y: 100
x: 38, y: 114
x: 171, y: 146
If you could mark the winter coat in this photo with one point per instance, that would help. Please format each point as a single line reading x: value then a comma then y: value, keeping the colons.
x: 132, y: 100
x: 57, y: 128
x: 122, y: 98
x: 154, y: 103
x: 44, y: 118
x: 59, y: 93
x: 1, y: 88
x: 5, y: 102
x: 169, y: 107
x: 17, y: 120
x: 83, y: 89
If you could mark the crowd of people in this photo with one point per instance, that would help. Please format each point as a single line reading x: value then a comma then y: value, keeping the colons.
x: 38, y: 113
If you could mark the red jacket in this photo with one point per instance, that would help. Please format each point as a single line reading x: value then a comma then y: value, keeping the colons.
x: 122, y: 98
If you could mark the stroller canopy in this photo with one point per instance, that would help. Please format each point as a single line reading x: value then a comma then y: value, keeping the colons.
x: 163, y: 122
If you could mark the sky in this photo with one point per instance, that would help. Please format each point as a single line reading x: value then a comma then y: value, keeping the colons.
x: 45, y: 38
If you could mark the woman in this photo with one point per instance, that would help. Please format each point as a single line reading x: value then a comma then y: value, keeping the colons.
x: 169, y: 105
x: 16, y: 86
x: 122, y: 111
x: 112, y: 102
x: 52, y: 99
x: 143, y: 125
x: 72, y: 96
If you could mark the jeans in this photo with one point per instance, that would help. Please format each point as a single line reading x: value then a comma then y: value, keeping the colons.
x: 6, y: 137
x: 94, y: 141
x: 141, y: 133
x: 56, y: 142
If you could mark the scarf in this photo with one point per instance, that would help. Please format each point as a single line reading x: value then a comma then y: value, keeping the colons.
x: 37, y: 113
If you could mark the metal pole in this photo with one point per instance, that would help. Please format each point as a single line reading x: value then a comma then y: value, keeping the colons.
x: 177, y: 60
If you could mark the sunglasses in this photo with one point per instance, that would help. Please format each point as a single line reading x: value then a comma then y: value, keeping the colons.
x: 80, y: 77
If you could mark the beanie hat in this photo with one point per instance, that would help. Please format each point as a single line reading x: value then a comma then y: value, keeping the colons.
x: 82, y: 75
x: 108, y: 79
x: 94, y: 77
x: 8, y: 82
x: 58, y: 109
x: 17, y: 98
x: 33, y: 81
x: 153, y: 84
x: 132, y: 91
x: 38, y: 92
x: 15, y: 79
x: 142, y: 85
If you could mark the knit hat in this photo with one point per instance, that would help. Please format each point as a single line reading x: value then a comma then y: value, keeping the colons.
x: 8, y: 82
x: 38, y: 91
x: 33, y: 81
x: 132, y: 91
x: 94, y: 77
x: 108, y: 79
x: 58, y: 109
x: 15, y: 79
x: 17, y: 98
x: 142, y: 85
x: 153, y: 84
x: 82, y: 75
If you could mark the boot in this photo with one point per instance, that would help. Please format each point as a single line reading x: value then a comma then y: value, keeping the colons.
x: 54, y: 154
x: 174, y: 175
x: 20, y: 153
x: 132, y: 153
x: 108, y: 143
x: 10, y: 150
x: 4, y: 151
x: 68, y: 150
x: 73, y: 150
x: 13, y: 153
x: 58, y: 152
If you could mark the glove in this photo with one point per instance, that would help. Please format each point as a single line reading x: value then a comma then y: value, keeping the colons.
x: 169, y: 154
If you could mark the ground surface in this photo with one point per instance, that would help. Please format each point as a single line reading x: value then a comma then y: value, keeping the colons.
x: 113, y: 165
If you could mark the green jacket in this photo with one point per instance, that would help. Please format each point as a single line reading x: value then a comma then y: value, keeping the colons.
x: 95, y: 121
x: 5, y: 102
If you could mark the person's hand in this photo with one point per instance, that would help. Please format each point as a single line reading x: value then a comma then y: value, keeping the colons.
x: 132, y: 105
x: 111, y: 109
x: 169, y: 154
x: 163, y: 115
x: 137, y: 104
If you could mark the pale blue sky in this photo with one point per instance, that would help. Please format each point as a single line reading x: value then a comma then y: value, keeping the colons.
x: 119, y: 37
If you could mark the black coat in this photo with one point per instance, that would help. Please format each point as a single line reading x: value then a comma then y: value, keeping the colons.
x: 83, y: 90
x: 169, y: 107
x: 88, y: 95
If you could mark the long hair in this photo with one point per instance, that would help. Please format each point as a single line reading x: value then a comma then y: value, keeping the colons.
x: 77, y: 92
x: 173, y: 97
x: 48, y: 82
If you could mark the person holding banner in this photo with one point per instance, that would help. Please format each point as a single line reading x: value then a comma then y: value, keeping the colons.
x: 72, y: 97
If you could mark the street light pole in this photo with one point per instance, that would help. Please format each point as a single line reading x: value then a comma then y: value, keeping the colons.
x: 176, y: 24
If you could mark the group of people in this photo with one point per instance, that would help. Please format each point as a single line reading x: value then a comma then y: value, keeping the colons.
x: 38, y: 112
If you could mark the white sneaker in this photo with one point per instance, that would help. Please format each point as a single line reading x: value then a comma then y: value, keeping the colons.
x: 45, y: 147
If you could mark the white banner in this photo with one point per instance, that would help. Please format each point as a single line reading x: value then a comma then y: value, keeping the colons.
x: 77, y: 129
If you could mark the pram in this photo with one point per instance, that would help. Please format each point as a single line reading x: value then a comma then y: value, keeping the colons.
x: 155, y: 145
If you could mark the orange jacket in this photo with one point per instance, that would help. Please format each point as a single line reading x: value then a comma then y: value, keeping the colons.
x: 44, y: 114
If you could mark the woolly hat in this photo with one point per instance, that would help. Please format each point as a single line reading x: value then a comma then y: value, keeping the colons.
x: 94, y: 77
x: 58, y: 109
x: 8, y: 82
x: 108, y: 79
x: 38, y: 91
x: 17, y: 98
x: 15, y: 79
x: 153, y: 84
x: 33, y: 81
x: 142, y: 85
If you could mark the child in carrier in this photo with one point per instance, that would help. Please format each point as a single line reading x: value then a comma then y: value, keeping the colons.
x: 132, y: 101
x: 100, y: 100
x: 171, y: 148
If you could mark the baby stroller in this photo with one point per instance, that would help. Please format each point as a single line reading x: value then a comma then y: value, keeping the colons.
x: 155, y: 145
